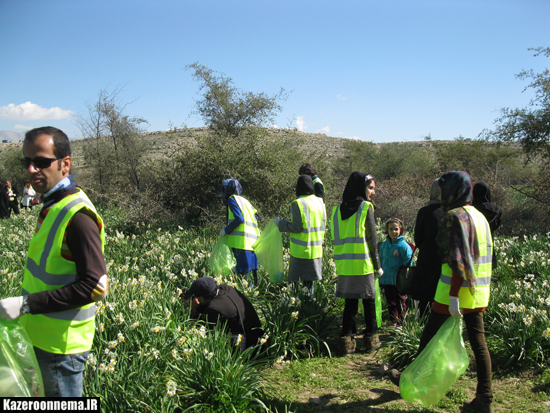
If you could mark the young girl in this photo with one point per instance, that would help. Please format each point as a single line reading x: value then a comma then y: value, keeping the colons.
x: 394, y: 253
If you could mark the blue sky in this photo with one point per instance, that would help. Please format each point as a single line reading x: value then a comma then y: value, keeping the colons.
x: 381, y: 71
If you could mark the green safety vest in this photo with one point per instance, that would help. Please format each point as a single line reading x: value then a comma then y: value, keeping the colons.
x: 482, y: 267
x: 309, y: 243
x: 246, y: 234
x: 70, y: 331
x: 351, y: 251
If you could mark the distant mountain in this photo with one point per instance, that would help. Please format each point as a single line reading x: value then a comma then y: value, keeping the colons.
x: 11, y: 136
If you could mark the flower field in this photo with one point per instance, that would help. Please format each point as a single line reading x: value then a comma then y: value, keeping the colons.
x: 149, y: 355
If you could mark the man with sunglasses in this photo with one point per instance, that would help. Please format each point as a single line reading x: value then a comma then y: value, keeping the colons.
x: 65, y: 271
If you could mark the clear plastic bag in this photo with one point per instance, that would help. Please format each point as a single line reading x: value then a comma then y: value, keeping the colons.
x: 269, y: 250
x: 433, y: 372
x: 222, y: 260
x: 19, y: 372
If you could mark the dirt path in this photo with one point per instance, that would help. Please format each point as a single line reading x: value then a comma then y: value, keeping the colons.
x: 355, y: 383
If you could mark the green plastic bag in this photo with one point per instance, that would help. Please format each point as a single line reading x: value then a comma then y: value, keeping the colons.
x: 269, y: 250
x: 222, y: 260
x: 377, y: 301
x: 434, y: 371
x: 19, y: 372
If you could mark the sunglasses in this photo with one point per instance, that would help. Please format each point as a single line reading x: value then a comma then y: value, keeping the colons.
x: 38, y: 162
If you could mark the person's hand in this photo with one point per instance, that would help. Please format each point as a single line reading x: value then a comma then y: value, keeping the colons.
x: 380, y: 272
x: 222, y: 232
x: 454, y: 307
x: 11, y: 308
x: 276, y: 221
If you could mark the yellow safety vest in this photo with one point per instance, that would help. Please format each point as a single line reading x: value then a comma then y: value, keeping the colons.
x: 69, y: 331
x: 351, y: 251
x: 317, y: 180
x: 309, y: 243
x: 482, y: 267
x: 246, y: 234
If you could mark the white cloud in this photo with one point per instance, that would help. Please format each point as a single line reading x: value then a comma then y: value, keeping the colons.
x: 341, y: 97
x: 24, y: 127
x: 31, y: 111
x: 300, y: 123
x: 325, y: 130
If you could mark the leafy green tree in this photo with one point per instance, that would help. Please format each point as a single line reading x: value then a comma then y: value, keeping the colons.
x: 529, y: 126
x: 267, y: 169
x: 11, y: 168
x: 227, y: 109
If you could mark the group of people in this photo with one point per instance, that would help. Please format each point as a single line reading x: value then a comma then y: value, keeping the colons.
x: 453, y: 234
x: 8, y: 199
x: 66, y: 273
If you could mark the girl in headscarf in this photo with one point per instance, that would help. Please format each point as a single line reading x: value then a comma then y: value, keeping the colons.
x: 353, y: 231
x: 483, y: 203
x: 307, y: 232
x: 465, y: 242
x: 28, y: 196
x: 4, y: 202
x: 428, y: 263
x: 242, y: 228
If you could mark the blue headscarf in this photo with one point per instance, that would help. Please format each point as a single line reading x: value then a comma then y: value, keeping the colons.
x: 230, y: 187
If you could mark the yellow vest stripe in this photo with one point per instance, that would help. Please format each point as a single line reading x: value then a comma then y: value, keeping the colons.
x: 77, y: 314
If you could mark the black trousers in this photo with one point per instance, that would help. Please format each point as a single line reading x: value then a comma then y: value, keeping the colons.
x: 349, y: 327
x: 14, y: 206
x: 476, y: 336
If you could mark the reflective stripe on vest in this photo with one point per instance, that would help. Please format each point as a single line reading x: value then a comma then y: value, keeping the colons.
x: 65, y: 332
x: 482, y: 267
x: 309, y: 243
x: 351, y: 251
x: 246, y: 234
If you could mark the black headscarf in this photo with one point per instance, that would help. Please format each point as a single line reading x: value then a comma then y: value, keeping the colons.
x: 482, y: 202
x: 304, y: 186
x: 482, y: 193
x: 354, y: 193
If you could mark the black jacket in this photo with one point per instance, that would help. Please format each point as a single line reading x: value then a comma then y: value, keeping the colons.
x: 428, y: 264
x: 221, y: 309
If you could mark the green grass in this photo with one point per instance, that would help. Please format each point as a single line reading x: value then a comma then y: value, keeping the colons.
x: 148, y: 355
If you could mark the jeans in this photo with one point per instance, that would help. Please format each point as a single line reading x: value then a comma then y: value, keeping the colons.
x: 351, y: 306
x: 476, y: 336
x: 61, y: 373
